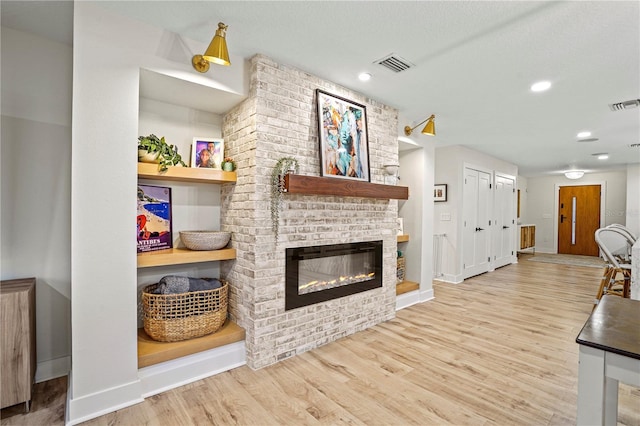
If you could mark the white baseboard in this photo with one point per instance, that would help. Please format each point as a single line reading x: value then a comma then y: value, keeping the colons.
x: 411, y: 298
x: 449, y: 278
x: 179, y: 372
x: 53, y: 368
x: 94, y: 405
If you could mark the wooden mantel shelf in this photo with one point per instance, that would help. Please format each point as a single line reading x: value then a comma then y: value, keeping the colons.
x: 315, y: 185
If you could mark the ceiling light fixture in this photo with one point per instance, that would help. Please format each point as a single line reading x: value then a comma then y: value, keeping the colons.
x: 365, y: 76
x: 429, y: 129
x: 574, y: 174
x: 584, y: 134
x: 541, y: 86
x: 216, y: 52
x: 601, y: 155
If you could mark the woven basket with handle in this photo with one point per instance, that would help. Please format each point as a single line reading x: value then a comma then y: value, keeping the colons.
x: 175, y: 317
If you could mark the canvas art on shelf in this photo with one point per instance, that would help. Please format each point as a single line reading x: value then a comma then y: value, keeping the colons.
x: 344, y: 147
x: 207, y: 153
x: 154, y: 218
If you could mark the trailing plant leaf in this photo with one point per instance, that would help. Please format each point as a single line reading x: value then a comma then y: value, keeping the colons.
x: 168, y: 154
x: 277, y: 187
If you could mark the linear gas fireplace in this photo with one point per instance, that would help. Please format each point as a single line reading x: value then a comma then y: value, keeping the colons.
x: 320, y: 273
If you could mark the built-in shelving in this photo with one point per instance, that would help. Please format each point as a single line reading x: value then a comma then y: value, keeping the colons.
x: 316, y: 185
x: 403, y: 238
x: 406, y: 286
x: 185, y: 174
x: 178, y: 256
x: 152, y: 352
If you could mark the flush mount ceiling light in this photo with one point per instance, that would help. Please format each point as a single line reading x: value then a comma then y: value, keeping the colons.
x: 429, y: 129
x: 574, y: 174
x: 601, y: 155
x: 364, y: 76
x: 584, y: 135
x: 216, y: 52
x: 541, y: 86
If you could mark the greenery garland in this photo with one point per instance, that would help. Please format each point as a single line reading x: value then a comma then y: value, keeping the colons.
x: 277, y: 188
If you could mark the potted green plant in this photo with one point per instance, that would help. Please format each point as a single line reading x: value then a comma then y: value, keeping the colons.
x: 228, y: 165
x: 152, y: 149
x: 283, y: 166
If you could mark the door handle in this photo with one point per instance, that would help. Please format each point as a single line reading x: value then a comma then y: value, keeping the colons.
x: 561, y: 218
x: 479, y: 229
x: 505, y: 227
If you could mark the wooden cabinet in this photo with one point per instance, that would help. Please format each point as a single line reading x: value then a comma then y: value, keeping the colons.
x: 18, y: 341
x: 527, y: 237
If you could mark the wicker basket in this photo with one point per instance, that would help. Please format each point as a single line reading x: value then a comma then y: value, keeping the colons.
x: 175, y: 317
x: 401, y: 269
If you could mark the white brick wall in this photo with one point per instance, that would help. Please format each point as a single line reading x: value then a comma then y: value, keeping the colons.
x: 279, y: 120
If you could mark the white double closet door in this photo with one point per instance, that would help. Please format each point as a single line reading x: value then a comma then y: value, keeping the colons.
x: 489, y: 222
x: 476, y: 208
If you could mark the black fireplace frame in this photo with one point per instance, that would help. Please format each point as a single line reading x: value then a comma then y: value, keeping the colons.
x: 295, y: 300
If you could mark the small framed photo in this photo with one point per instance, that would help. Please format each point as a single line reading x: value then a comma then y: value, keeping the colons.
x: 440, y: 192
x: 207, y: 153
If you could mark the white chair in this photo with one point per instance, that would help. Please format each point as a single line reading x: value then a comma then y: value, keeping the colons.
x: 615, y: 247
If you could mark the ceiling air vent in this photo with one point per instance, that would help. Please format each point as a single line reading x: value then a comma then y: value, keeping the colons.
x: 625, y: 105
x: 634, y: 145
x: 394, y: 63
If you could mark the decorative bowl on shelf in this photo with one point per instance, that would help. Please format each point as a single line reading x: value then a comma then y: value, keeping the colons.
x: 205, y: 240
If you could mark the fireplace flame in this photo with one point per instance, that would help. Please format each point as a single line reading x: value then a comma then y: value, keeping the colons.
x: 316, y: 285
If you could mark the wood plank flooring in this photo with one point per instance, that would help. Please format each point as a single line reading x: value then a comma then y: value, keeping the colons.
x: 498, y: 349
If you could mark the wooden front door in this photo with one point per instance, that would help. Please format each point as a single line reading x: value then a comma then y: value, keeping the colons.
x: 578, y: 219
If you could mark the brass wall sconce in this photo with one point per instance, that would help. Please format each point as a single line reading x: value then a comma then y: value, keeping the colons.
x: 429, y: 129
x: 216, y: 52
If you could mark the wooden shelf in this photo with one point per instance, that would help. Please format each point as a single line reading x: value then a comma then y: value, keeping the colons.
x: 185, y: 174
x: 152, y: 352
x: 176, y: 256
x: 406, y: 286
x: 315, y: 185
x: 403, y: 238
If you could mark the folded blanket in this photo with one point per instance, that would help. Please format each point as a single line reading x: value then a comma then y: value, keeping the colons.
x: 173, y: 284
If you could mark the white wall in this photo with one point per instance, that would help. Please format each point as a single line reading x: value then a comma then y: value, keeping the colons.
x: 541, y: 196
x: 449, y: 169
x: 416, y: 171
x: 633, y: 199
x: 522, y: 184
x: 108, y: 54
x: 36, y: 186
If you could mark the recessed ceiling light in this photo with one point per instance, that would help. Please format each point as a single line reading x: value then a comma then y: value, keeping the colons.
x: 584, y: 134
x: 364, y: 76
x: 541, y: 86
x: 601, y: 155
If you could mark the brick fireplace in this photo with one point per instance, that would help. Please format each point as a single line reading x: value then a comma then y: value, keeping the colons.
x: 279, y: 120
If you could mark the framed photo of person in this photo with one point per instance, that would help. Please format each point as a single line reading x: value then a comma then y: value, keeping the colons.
x: 344, y: 144
x: 207, y: 153
x: 440, y: 192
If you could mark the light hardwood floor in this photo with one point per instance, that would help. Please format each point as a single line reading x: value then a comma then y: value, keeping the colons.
x: 498, y: 349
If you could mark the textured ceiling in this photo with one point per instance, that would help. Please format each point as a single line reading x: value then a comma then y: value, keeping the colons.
x: 473, y: 64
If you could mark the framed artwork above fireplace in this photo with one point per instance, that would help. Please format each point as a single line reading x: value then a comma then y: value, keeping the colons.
x: 343, y: 137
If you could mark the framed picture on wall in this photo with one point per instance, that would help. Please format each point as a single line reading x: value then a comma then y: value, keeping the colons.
x: 342, y: 130
x: 207, y: 153
x: 440, y: 192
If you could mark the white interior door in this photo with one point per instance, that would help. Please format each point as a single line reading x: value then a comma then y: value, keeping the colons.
x: 477, y: 202
x: 505, y: 226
